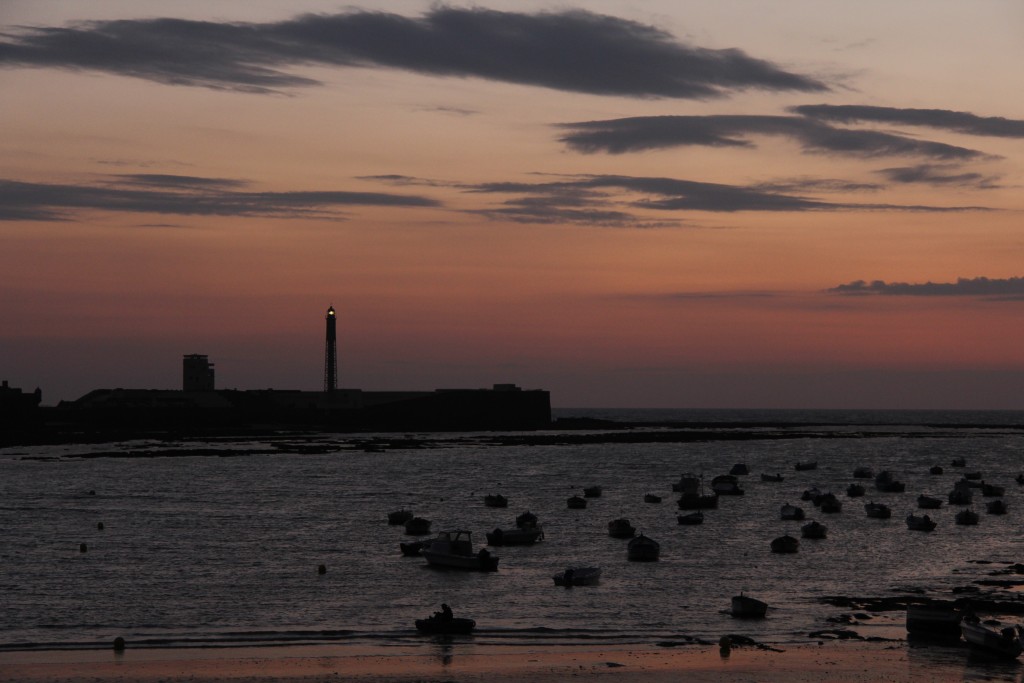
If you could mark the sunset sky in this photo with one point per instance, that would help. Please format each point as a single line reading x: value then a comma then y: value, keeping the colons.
x: 652, y: 203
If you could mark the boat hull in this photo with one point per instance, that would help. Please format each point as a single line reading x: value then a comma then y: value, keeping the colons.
x: 435, y: 625
x: 1005, y: 644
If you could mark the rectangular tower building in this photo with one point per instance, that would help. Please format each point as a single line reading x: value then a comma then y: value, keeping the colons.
x: 196, y: 373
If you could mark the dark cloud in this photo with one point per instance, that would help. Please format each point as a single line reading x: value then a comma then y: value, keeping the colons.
x: 571, y: 50
x: 958, y: 121
x: 1009, y: 288
x: 943, y: 176
x: 617, y: 136
x: 622, y: 200
x: 181, y: 195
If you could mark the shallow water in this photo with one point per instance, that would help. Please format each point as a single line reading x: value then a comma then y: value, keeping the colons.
x: 224, y: 550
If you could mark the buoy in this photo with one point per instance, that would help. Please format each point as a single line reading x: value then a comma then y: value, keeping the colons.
x: 82, y: 547
x: 322, y: 569
x: 99, y: 525
x: 119, y: 644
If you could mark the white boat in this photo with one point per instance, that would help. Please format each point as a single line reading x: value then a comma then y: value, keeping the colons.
x: 454, y: 550
x: 1006, y: 642
x: 578, y: 576
x: 643, y: 549
x: 746, y: 607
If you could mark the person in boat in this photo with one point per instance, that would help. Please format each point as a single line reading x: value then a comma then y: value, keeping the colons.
x: 484, y: 555
x: 568, y: 576
x: 445, y: 614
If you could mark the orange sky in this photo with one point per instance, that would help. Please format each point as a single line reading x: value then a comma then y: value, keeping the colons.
x: 640, y: 205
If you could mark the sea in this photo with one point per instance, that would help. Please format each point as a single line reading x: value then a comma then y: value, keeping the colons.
x: 177, y: 542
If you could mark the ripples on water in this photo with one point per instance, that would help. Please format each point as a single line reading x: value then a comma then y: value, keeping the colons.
x: 224, y: 550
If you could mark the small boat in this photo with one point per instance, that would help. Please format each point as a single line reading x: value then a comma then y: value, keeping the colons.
x: 855, y: 491
x: 527, y: 520
x: 936, y: 469
x: 496, y: 501
x: 697, y: 501
x: 1006, y: 642
x: 785, y: 544
x: 399, y: 517
x: 928, y: 502
x: 444, y: 622
x: 651, y: 498
x: 814, y: 530
x: 688, y: 483
x: 995, y: 507
x: 935, y: 620
x: 621, y: 528
x: 578, y: 576
x: 791, y: 512
x: 972, y: 476
x: 454, y: 550
x: 412, y: 548
x: 739, y: 468
x: 886, y: 481
x: 811, y: 494
x: 417, y: 526
x: 516, y: 536
x: 877, y: 510
x: 726, y: 485
x: 643, y: 549
x: 959, y: 462
x: 960, y: 495
x: 924, y: 523
x: 692, y: 518
x: 746, y: 607
x: 967, y: 517
x: 576, y: 503
x: 863, y: 473
x: 830, y: 504
x: 771, y: 477
x: 991, y: 490
x: 592, y: 492
x: 803, y: 466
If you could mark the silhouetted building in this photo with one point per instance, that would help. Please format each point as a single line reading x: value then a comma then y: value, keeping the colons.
x: 17, y: 406
x: 196, y: 373
x: 331, y: 353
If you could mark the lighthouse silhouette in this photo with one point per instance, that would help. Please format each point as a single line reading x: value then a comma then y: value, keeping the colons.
x: 331, y: 353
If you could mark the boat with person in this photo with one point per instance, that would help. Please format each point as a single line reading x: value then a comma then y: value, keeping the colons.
x: 454, y: 550
x: 445, y: 622
x: 1006, y: 642
x: 578, y: 576
x: 643, y: 549
x: 746, y: 607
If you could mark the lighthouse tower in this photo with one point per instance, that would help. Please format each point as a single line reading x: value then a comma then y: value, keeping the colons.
x: 331, y: 353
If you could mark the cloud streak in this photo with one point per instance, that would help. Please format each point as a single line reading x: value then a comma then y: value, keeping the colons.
x: 635, y: 134
x: 183, y: 196
x: 574, y: 50
x: 956, y: 121
x: 1008, y: 288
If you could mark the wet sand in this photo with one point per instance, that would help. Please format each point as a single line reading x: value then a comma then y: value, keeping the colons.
x: 858, y: 662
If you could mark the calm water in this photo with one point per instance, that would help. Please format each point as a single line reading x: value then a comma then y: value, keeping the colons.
x: 224, y: 550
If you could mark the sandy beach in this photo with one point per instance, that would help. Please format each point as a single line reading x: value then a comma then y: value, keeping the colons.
x: 858, y: 662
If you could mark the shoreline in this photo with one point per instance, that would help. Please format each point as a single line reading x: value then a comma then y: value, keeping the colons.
x: 853, y: 662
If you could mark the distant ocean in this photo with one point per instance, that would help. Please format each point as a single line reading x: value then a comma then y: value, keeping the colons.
x: 216, y: 542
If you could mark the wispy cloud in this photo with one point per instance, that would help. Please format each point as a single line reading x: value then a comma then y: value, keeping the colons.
x: 571, y: 50
x: 940, y: 175
x: 183, y: 196
x: 1008, y: 288
x: 957, y: 121
x: 634, y: 134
